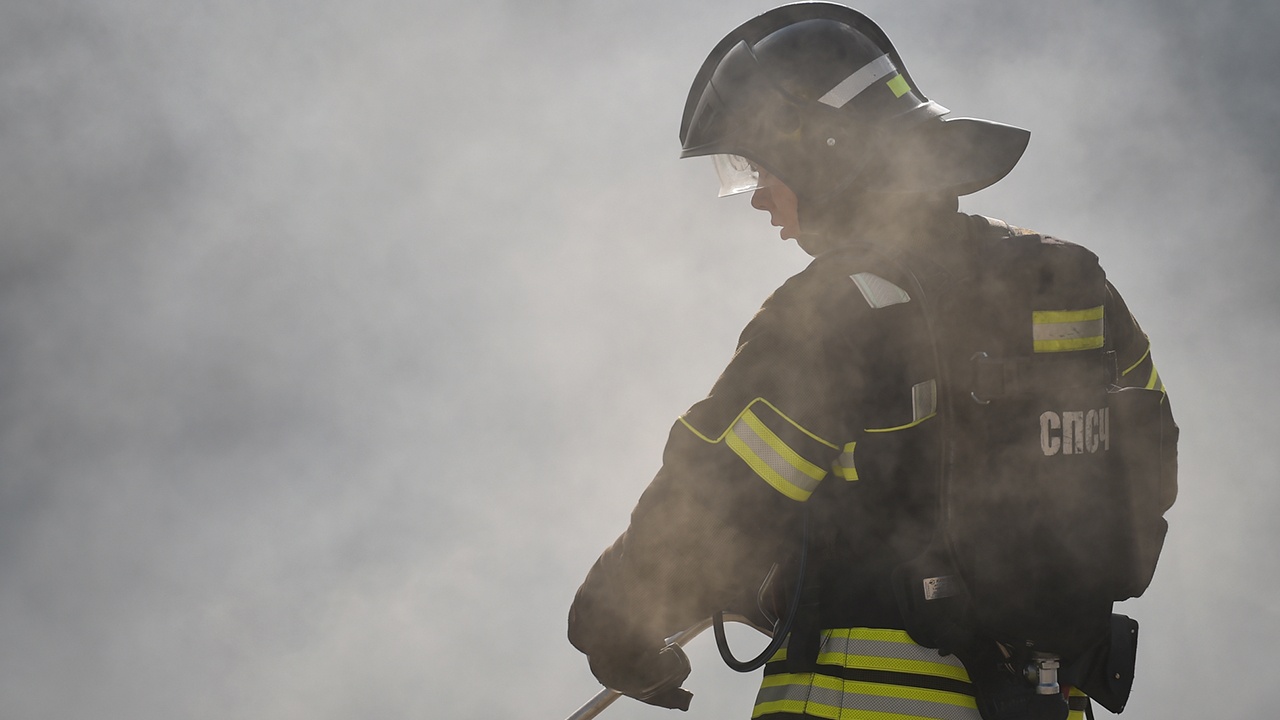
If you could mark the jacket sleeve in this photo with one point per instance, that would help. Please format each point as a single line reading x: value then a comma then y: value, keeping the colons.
x: 1136, y: 368
x: 725, y: 505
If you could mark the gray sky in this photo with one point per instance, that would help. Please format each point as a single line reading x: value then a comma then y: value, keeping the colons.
x: 337, y: 339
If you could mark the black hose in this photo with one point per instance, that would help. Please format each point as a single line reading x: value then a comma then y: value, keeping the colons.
x: 781, y: 629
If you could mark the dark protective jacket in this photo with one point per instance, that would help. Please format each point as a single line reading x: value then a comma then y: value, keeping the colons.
x: 830, y: 399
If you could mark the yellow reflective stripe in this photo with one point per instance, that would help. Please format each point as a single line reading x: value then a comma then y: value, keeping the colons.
x: 877, y: 634
x: 1135, y: 365
x: 1054, y: 317
x: 767, y: 404
x: 791, y: 456
x: 924, y: 405
x: 1067, y: 330
x: 899, y: 86
x: 768, y: 455
x: 844, y: 466
x: 883, y: 649
x: 1076, y: 714
x: 901, y: 427
x: 1052, y: 346
x: 915, y: 667
x: 836, y: 699
x: 789, y: 473
x: 1154, y: 382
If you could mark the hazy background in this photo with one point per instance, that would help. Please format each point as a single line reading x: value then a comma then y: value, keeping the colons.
x: 337, y: 339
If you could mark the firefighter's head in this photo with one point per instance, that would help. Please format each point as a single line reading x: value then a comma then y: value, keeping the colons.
x: 816, y: 96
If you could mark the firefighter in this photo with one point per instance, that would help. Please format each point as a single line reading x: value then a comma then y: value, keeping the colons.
x: 822, y: 437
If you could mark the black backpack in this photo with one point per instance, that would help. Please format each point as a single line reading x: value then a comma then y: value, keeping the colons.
x: 1054, y: 486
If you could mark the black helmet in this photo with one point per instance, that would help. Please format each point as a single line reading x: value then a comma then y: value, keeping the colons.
x: 816, y: 94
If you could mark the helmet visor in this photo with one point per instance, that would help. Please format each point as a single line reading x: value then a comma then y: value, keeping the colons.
x: 737, y: 174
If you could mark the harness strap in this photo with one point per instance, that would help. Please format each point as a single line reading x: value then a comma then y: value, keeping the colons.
x: 995, y: 378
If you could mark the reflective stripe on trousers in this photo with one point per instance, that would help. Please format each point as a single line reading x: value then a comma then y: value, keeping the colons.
x: 871, y: 674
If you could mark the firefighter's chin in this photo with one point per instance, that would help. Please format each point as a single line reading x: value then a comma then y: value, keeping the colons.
x: 809, y: 243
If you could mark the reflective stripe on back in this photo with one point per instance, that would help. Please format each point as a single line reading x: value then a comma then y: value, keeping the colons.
x: 1067, y: 330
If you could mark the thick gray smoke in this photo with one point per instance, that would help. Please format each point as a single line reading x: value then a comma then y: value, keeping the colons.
x: 337, y: 339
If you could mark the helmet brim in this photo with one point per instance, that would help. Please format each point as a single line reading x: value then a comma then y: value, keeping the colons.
x: 952, y: 156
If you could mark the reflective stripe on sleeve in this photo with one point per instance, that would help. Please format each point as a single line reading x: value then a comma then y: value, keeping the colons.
x: 780, y: 465
x: 1146, y: 354
x: 1154, y: 382
x: 1067, y: 330
x: 844, y: 466
x: 772, y: 460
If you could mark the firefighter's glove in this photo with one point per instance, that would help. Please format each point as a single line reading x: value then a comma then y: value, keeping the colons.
x: 652, y: 676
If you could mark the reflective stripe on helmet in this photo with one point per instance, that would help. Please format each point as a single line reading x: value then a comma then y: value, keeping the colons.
x: 862, y: 78
x: 899, y: 86
x: 1067, y: 330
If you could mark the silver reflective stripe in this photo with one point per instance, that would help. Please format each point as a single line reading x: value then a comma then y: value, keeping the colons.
x: 852, y: 86
x: 1068, y: 330
x: 785, y: 477
x: 845, y: 464
x: 924, y: 400
x: 805, y: 697
x: 879, y: 292
x: 886, y: 649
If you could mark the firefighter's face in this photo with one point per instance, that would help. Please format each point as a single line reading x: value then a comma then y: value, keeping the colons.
x: 778, y: 199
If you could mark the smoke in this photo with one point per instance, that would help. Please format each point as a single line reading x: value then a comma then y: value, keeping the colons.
x: 338, y: 339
